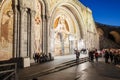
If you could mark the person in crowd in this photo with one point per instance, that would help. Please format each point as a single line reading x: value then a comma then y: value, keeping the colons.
x: 96, y: 55
x: 111, y: 56
x: 41, y: 58
x: 106, y: 55
x: 116, y: 57
x: 50, y: 56
x: 77, y: 55
x: 91, y: 56
x: 36, y: 57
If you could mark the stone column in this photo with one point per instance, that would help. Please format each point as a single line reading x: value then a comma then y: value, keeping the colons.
x: 28, y: 33
x: 32, y: 12
x: 23, y: 33
x: 16, y: 31
x: 44, y: 35
x: 14, y: 4
x: 50, y: 36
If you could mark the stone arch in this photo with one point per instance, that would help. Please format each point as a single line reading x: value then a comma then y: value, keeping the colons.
x: 74, y: 18
x: 43, y: 5
x: 75, y: 12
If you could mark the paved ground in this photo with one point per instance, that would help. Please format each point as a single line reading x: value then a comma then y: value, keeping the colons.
x: 84, y: 71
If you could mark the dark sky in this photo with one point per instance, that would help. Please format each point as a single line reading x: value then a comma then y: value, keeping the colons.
x: 104, y: 11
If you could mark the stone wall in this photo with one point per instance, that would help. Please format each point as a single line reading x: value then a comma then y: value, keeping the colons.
x: 44, y: 26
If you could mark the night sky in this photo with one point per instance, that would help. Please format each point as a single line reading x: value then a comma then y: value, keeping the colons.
x: 104, y: 11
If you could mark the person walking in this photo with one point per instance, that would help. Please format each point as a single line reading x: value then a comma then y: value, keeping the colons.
x: 106, y: 56
x: 91, y: 56
x: 77, y: 55
x: 111, y: 56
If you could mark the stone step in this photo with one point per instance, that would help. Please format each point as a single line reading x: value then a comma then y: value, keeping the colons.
x: 58, y: 68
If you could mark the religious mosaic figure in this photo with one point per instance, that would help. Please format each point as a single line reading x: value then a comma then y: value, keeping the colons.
x: 61, y: 33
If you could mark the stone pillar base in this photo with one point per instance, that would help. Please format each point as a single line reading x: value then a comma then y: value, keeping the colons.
x: 21, y: 62
x: 26, y: 62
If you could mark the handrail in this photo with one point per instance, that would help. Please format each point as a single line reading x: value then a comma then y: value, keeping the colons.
x: 6, y: 71
x: 12, y: 71
x: 7, y: 64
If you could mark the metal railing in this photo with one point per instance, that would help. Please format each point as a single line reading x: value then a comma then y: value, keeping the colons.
x: 9, y: 70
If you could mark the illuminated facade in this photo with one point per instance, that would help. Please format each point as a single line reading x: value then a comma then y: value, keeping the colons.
x: 43, y: 26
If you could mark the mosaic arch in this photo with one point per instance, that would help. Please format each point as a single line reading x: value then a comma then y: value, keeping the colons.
x: 65, y: 31
x: 6, y: 30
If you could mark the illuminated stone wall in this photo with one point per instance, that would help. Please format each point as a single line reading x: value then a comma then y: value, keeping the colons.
x: 42, y: 26
x: 80, y: 26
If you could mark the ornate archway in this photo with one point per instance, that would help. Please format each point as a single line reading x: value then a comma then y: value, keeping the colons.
x: 65, y: 36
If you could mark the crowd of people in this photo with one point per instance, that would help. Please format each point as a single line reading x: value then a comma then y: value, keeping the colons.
x: 40, y: 58
x: 110, y: 55
x: 93, y: 54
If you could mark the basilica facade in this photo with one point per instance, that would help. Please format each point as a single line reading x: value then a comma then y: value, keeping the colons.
x: 45, y: 26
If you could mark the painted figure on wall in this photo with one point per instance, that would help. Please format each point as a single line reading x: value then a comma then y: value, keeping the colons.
x: 6, y: 30
x: 37, y: 28
x: 61, y: 30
